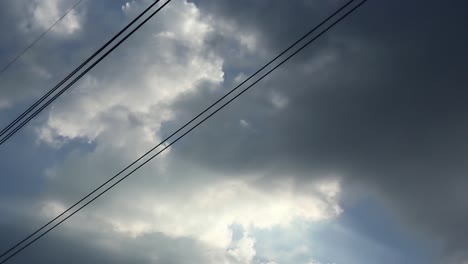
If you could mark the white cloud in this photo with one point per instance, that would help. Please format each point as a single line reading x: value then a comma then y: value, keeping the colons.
x: 103, y: 104
x: 240, y: 78
x: 214, y: 208
x: 244, y: 123
x: 279, y: 101
x: 123, y: 114
x: 128, y: 6
x: 207, y: 212
x: 46, y: 12
x: 244, y: 250
x: 247, y: 39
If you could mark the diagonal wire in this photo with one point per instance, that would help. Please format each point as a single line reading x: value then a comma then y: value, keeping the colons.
x: 186, y: 124
x: 191, y: 129
x: 44, y: 97
x: 34, y: 233
x: 38, y: 38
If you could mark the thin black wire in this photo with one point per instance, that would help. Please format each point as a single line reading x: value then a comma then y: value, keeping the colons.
x: 191, y: 129
x: 193, y: 119
x: 38, y: 38
x: 186, y: 124
x: 76, y: 70
x: 44, y: 97
x: 9, y: 250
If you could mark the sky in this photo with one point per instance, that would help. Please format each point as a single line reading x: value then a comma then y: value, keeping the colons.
x: 353, y: 152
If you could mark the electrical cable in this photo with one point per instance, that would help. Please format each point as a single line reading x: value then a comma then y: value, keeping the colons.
x: 185, y: 133
x: 38, y: 38
x: 6, y: 130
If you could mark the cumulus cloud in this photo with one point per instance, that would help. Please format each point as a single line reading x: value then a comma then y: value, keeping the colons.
x: 214, y: 208
x: 204, y: 214
x: 46, y: 13
x: 125, y: 114
x: 366, y: 106
x: 147, y: 90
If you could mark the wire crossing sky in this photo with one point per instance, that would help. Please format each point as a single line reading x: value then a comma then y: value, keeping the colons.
x: 185, y: 125
x: 166, y: 146
x: 353, y: 151
x: 14, y: 127
x: 38, y: 38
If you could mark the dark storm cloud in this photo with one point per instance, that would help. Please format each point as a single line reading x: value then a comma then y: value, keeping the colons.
x: 91, y: 242
x: 387, y: 110
x: 275, y: 22
x: 390, y: 112
x: 68, y: 246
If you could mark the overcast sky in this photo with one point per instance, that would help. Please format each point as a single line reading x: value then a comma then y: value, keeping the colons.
x: 354, y: 152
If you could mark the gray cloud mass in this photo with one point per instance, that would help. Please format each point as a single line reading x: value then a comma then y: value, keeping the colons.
x: 380, y: 102
x: 389, y: 111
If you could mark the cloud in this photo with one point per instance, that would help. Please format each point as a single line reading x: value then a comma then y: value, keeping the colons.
x: 373, y: 104
x: 200, y: 205
x: 128, y: 5
x: 101, y: 247
x: 45, y: 13
x: 125, y: 114
x: 47, y: 61
x: 384, y: 111
x: 278, y: 100
x: 156, y: 81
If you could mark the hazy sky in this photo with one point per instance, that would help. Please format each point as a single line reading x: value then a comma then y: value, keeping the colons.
x: 354, y: 152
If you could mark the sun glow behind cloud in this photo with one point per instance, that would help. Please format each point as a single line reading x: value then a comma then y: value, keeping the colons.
x: 272, y: 179
x: 104, y: 107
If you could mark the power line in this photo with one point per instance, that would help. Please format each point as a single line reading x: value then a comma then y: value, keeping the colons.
x: 185, y: 125
x: 38, y: 38
x: 44, y: 97
x: 167, y: 146
x: 188, y: 131
x: 10, y: 131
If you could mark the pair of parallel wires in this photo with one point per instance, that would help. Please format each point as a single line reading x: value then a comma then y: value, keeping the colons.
x: 196, y: 121
x: 78, y: 72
